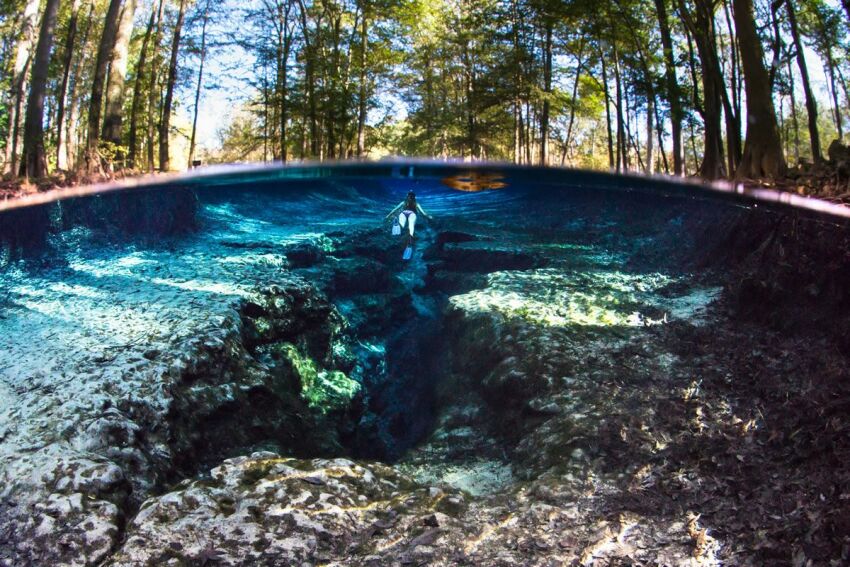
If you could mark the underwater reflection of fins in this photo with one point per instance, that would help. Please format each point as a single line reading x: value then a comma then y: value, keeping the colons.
x: 408, y: 253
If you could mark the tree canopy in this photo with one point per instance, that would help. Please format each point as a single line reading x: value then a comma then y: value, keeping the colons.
x: 707, y: 87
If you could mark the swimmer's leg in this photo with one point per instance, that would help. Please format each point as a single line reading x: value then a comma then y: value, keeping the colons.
x: 402, y: 220
x: 411, y: 224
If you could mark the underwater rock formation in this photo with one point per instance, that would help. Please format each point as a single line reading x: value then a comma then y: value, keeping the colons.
x: 268, y: 510
x: 265, y: 375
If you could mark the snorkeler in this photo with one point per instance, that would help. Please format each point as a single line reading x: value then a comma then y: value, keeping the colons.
x: 409, y: 207
x: 407, y: 217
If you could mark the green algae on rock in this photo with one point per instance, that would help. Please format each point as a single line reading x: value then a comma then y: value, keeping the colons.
x: 323, y: 390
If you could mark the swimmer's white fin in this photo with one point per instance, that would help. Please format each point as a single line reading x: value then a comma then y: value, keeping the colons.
x: 408, y: 253
x: 396, y: 228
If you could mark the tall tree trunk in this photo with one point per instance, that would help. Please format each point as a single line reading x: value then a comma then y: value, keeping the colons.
x: 470, y: 93
x: 776, y: 42
x: 34, y: 162
x: 165, y: 125
x: 622, y: 146
x: 694, y: 153
x: 113, y: 117
x: 528, y: 132
x: 429, y: 105
x: 701, y: 27
x: 517, y: 131
x: 517, y: 81
x: 310, y: 80
x: 303, y: 136
x: 73, y: 118
x: 206, y: 18
x: 68, y: 56
x: 104, y: 53
x: 830, y: 65
x: 138, y: 85
x: 361, y: 102
x: 284, y: 85
x: 731, y: 116
x: 520, y: 124
x: 611, y: 162
x: 547, y: 89
x: 794, y: 120
x: 569, y: 135
x: 674, y: 97
x: 23, y: 59
x: 265, y: 115
x: 811, y: 105
x: 734, y: 64
x: 154, y: 119
x: 735, y: 148
x: 763, y: 148
x: 659, y: 129
x: 332, y: 100
x: 650, y: 166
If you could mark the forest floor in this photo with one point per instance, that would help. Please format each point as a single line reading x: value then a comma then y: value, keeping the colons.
x: 826, y: 180
x: 15, y: 187
x: 829, y: 180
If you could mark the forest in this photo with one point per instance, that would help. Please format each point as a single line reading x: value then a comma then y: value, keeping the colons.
x: 741, y: 89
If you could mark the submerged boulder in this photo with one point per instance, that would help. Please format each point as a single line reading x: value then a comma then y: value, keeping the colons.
x: 268, y: 510
x: 83, y: 447
x: 75, y: 519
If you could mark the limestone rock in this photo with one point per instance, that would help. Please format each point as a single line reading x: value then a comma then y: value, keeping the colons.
x: 268, y: 510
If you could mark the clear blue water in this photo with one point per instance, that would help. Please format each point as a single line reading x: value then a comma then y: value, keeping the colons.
x: 90, y: 284
x: 148, y: 333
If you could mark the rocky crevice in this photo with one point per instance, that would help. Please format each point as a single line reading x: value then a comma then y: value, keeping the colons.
x: 279, y: 381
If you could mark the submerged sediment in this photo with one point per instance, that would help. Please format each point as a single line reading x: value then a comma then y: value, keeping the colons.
x: 594, y: 389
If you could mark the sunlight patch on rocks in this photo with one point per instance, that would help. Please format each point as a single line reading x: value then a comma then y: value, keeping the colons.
x: 560, y: 298
x: 476, y: 476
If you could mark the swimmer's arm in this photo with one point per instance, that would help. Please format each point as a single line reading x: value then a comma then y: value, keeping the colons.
x: 424, y: 214
x: 394, y: 211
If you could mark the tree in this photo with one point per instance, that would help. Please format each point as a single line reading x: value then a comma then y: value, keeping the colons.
x: 586, y: 82
x: 139, y: 84
x: 113, y: 117
x: 104, y: 54
x: 34, y: 163
x: 205, y: 18
x: 826, y: 30
x: 700, y: 24
x: 165, y: 124
x: 763, y: 149
x: 811, y: 104
x: 672, y: 86
x: 23, y: 58
x: 68, y: 56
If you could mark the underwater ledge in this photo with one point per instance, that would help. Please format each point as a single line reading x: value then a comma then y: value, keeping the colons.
x: 607, y: 377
